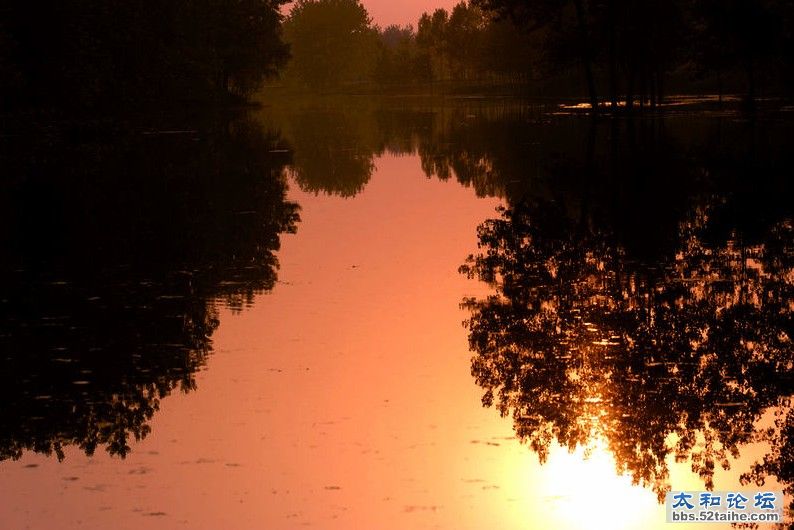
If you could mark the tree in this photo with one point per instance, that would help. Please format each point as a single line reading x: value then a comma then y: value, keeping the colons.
x: 399, y: 60
x: 565, y: 21
x: 465, y: 32
x: 246, y: 44
x: 331, y: 42
x: 431, y: 37
x: 743, y: 33
x: 100, y: 53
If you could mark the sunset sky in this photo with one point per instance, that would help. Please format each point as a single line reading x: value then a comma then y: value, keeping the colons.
x: 402, y: 12
x: 385, y: 12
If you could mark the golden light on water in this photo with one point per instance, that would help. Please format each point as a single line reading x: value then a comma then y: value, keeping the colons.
x: 585, y: 491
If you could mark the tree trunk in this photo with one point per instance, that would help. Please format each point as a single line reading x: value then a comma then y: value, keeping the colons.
x: 613, y: 67
x: 643, y: 85
x: 584, y: 42
x: 750, y: 82
x: 630, y: 88
x: 659, y: 88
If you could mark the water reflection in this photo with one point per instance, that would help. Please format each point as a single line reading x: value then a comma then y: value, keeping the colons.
x: 335, y: 144
x: 513, y: 150
x: 643, y: 272
x: 645, y: 304
x: 117, y: 248
x: 331, y: 152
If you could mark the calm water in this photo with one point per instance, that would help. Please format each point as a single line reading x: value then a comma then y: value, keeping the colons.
x: 294, y: 318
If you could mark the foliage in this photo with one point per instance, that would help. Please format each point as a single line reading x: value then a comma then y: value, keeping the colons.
x: 400, y: 61
x: 331, y: 42
x: 635, y: 44
x: 468, y: 45
x: 106, y: 52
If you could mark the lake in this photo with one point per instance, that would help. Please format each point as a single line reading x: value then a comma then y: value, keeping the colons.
x: 375, y: 313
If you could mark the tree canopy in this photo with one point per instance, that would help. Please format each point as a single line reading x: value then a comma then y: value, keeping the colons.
x: 621, y: 53
x: 331, y: 41
x: 629, y: 46
x: 83, y: 53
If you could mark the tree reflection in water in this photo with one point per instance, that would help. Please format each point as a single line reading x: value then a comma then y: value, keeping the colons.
x: 116, y: 253
x: 643, y: 270
x: 676, y: 346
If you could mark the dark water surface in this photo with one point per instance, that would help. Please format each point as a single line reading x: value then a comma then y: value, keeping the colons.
x: 254, y: 321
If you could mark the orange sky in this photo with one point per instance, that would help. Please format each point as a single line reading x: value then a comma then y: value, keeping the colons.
x: 385, y: 12
x: 402, y: 12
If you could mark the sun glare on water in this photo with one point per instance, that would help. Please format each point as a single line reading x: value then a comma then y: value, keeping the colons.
x: 584, y: 491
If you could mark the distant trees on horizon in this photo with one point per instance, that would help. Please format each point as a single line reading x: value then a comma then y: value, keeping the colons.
x: 464, y: 45
x: 626, y: 50
x: 103, y: 53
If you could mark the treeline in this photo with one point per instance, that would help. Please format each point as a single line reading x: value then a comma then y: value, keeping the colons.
x: 102, y: 53
x: 335, y: 44
x: 627, y: 48
x: 78, y: 53
x: 619, y: 52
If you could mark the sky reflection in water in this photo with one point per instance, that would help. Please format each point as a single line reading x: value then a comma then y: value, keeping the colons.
x: 339, y: 391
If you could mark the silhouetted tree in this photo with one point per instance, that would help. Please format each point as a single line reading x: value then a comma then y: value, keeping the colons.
x: 468, y: 45
x: 431, y: 37
x: 400, y: 61
x: 331, y: 42
x: 102, y: 53
x: 737, y: 33
x: 565, y: 23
